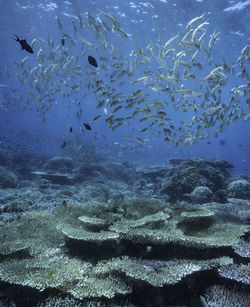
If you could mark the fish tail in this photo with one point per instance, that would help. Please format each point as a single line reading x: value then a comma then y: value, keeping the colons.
x: 17, y: 38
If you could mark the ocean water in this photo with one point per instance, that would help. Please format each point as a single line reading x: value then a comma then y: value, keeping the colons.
x: 124, y: 153
x: 24, y: 123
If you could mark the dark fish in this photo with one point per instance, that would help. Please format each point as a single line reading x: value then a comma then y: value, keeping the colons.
x: 95, y: 118
x: 222, y: 143
x: 208, y: 142
x: 87, y: 126
x: 70, y: 129
x: 63, y: 39
x: 240, y: 145
x: 92, y: 61
x: 63, y: 144
x: 24, y: 44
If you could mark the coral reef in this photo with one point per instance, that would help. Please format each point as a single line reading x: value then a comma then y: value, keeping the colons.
x: 93, y: 242
x: 60, y: 164
x: 107, y: 250
x: 56, y: 178
x: 7, y: 178
x: 201, y: 194
x: 220, y: 295
x: 239, y: 189
x: 239, y: 273
x: 3, y: 158
x: 234, y: 210
x: 242, y: 248
x: 186, y: 175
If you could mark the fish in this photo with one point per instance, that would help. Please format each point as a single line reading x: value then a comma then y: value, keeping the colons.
x: 89, y: 44
x: 197, y: 30
x: 111, y: 19
x: 117, y: 126
x: 92, y: 61
x: 191, y: 22
x: 143, y: 130
x: 222, y: 142
x: 59, y: 22
x: 139, y: 140
x: 170, y: 41
x: 117, y: 108
x: 87, y: 126
x: 74, y: 28
x: 212, y: 40
x: 63, y: 144
x: 51, y: 273
x: 95, y: 119
x: 70, y: 129
x: 24, y: 44
x: 80, y: 20
x: 203, y: 301
x: 247, y: 117
x: 63, y: 39
x: 24, y: 61
x: 145, y: 78
x: 121, y: 33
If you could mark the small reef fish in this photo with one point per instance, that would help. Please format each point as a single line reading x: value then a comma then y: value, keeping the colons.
x: 70, y: 129
x: 63, y: 144
x: 24, y: 44
x: 191, y: 22
x: 63, y: 39
x: 87, y: 126
x: 92, y: 61
x: 96, y: 118
x: 59, y: 22
x: 181, y: 58
x: 203, y: 302
x: 51, y: 273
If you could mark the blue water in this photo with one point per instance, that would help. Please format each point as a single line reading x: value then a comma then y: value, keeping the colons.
x: 21, y: 126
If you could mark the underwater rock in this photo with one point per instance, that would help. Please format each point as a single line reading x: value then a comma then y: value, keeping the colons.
x: 152, y: 172
x: 233, y: 211
x: 239, y: 189
x: 90, y: 170
x: 221, y: 164
x: 186, y: 175
x: 201, y: 194
x: 56, y: 178
x: 102, y: 171
x: 60, y: 164
x: 7, y: 178
x: 220, y: 196
x: 149, y: 179
x: 44, y: 184
x: 120, y: 171
x: 3, y: 158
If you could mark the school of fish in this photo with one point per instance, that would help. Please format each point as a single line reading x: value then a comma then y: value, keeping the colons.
x: 162, y: 78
